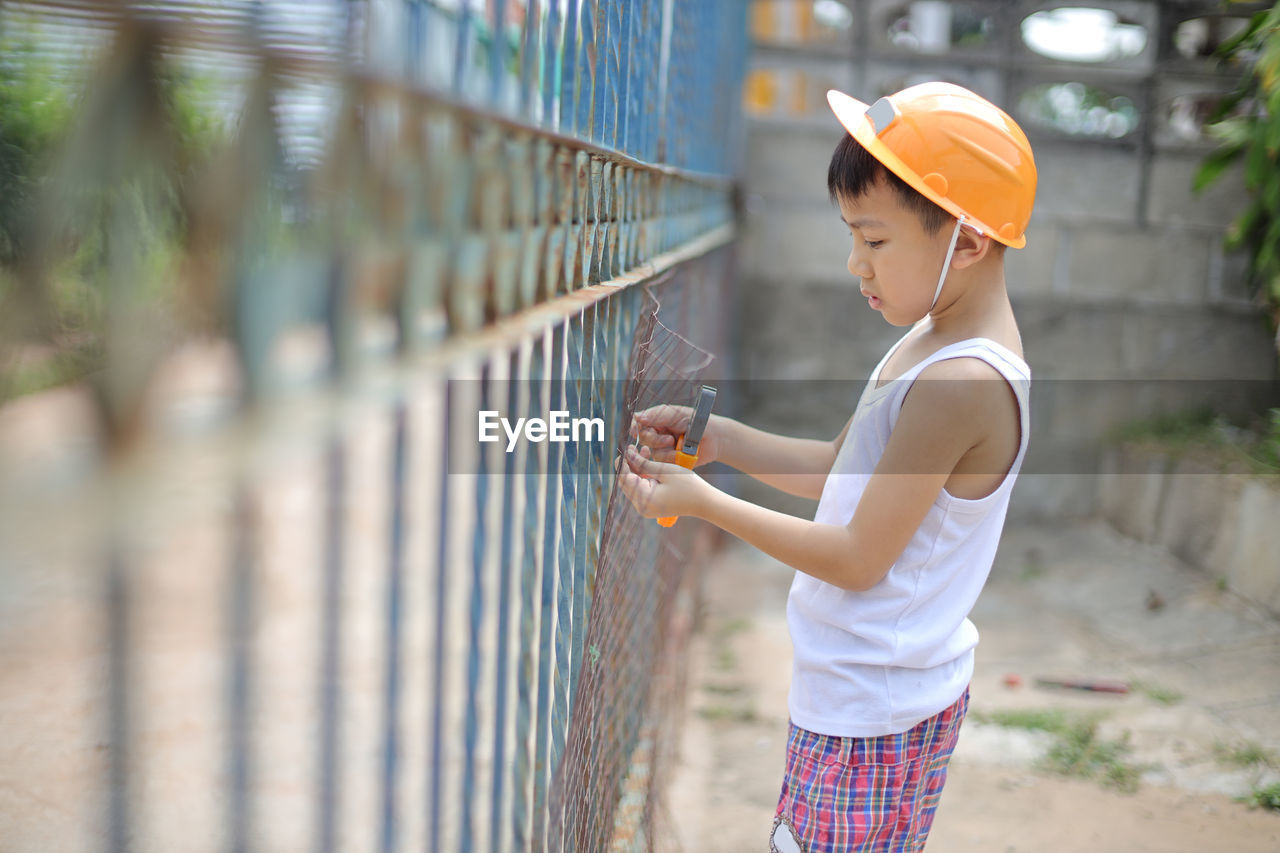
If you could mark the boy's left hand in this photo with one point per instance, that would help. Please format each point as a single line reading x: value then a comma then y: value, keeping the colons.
x: 660, y: 489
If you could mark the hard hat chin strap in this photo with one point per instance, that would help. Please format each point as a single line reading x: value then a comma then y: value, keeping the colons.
x: 946, y: 265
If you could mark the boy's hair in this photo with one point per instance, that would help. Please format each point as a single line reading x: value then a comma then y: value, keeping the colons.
x: 853, y: 172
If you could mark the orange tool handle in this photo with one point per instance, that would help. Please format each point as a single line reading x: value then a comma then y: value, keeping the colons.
x: 684, y: 460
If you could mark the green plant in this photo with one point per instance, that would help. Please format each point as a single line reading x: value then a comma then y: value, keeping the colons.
x: 1266, y: 798
x: 1080, y: 751
x: 1193, y: 426
x: 1159, y: 694
x: 729, y: 714
x: 1077, y: 749
x: 1036, y: 720
x: 724, y: 689
x: 35, y: 108
x: 55, y: 286
x: 1251, y: 447
x: 725, y: 660
x: 1246, y: 124
x: 1269, y: 446
x: 734, y: 626
x: 1244, y: 754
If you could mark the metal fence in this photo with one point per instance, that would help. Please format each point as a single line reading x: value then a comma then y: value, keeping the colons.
x: 259, y: 586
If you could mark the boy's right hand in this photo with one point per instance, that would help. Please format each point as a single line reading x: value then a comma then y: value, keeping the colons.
x: 659, y: 427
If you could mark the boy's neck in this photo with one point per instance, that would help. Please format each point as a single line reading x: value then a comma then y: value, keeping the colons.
x: 975, y: 302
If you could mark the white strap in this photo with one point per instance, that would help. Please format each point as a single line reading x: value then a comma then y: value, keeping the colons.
x: 946, y: 265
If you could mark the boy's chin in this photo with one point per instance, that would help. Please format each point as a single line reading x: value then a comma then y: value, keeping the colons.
x: 900, y: 321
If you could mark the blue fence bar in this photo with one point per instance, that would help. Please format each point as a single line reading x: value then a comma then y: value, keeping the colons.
x: 531, y: 611
x: 588, y: 69
x: 563, y: 87
x: 329, y: 697
x: 436, y: 777
x: 395, y: 588
x: 119, y: 714
x: 563, y: 398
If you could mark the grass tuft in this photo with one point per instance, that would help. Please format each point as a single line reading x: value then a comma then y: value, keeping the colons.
x: 1252, y: 447
x: 725, y: 660
x: 729, y: 713
x: 1078, y: 749
x: 1244, y: 754
x: 1266, y: 798
x: 724, y: 689
x: 1045, y: 720
x: 1081, y: 751
x: 1158, y: 693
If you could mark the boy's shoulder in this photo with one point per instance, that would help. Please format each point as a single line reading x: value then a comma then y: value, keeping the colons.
x: 962, y: 389
x: 970, y: 409
x: 959, y: 387
x: 920, y: 346
x: 960, y: 368
x: 957, y: 373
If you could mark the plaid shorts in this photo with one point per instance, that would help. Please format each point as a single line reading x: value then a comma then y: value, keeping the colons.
x: 843, y: 794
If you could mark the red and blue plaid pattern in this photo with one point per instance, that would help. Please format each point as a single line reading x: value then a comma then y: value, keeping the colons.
x: 871, y: 795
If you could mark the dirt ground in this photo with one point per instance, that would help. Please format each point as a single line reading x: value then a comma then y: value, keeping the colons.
x: 1203, y: 666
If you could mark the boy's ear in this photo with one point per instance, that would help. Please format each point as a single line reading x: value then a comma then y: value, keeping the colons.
x: 971, y: 248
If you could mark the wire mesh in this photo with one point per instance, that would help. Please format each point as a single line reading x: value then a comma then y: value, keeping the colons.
x: 637, y: 580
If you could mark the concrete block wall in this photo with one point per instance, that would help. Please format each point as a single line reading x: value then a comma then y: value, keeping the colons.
x: 1222, y: 523
x: 1129, y: 304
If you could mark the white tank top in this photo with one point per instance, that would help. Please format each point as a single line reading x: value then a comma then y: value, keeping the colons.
x: 878, y: 662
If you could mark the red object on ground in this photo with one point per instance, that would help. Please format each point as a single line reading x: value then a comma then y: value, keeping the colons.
x: 1012, y: 679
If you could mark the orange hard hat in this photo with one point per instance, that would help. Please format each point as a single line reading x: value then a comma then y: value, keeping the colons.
x: 955, y: 148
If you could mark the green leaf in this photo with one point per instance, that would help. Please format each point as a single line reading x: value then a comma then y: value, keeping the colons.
x: 1229, y: 101
x: 1213, y: 167
x: 1268, y: 65
x: 1242, y: 230
x: 1273, y: 233
x: 1232, y: 131
x: 1273, y: 123
x: 1231, y: 45
x: 1264, y: 259
x: 1253, y: 217
x: 1257, y: 165
x: 1267, y: 262
x: 1271, y: 193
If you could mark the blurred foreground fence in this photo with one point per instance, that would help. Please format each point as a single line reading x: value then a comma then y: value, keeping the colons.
x: 262, y: 265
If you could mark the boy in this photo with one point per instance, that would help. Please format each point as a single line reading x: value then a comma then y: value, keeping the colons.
x: 913, y: 491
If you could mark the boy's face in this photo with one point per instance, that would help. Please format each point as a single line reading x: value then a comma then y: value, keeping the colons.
x: 898, y: 261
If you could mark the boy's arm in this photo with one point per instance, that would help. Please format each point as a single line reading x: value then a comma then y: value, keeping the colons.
x: 797, y: 466
x: 939, y: 423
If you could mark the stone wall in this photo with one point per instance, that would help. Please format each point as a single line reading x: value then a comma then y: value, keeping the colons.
x: 1128, y: 303
x: 1221, y: 523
